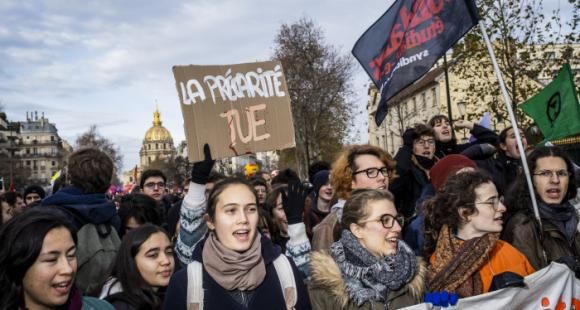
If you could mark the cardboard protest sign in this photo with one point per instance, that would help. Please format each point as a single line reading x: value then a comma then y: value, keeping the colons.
x: 236, y: 109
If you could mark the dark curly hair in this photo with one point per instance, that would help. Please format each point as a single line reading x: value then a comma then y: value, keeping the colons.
x: 518, y: 198
x: 451, y: 205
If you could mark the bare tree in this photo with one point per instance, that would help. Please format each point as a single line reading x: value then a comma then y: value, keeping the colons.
x: 93, y: 139
x: 318, y: 79
x: 525, y: 41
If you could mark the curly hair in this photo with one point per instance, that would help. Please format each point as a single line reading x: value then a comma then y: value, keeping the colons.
x: 451, y: 205
x: 518, y: 198
x: 344, y: 166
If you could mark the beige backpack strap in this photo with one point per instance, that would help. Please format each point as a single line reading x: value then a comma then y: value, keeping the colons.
x: 195, y: 286
x: 287, y: 281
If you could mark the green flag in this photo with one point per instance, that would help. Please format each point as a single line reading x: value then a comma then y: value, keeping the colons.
x: 556, y: 109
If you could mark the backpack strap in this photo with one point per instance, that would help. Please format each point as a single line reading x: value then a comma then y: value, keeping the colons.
x: 287, y: 281
x: 195, y: 286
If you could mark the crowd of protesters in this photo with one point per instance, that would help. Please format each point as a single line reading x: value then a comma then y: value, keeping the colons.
x: 367, y: 231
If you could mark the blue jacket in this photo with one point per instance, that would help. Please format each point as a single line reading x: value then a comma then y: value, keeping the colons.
x: 414, y: 234
x: 266, y: 296
x: 85, y: 208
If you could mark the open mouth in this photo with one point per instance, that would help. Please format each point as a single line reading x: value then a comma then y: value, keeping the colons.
x: 554, y: 193
x: 393, y: 241
x: 63, y: 288
x: 382, y: 187
x: 242, y: 235
x: 426, y: 154
x: 498, y: 219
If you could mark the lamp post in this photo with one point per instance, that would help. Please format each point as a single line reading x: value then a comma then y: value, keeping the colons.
x: 461, y: 108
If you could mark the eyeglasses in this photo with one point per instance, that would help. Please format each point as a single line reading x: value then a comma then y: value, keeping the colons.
x: 153, y: 185
x: 374, y: 172
x: 548, y: 174
x: 494, y: 202
x: 388, y: 220
x: 422, y: 142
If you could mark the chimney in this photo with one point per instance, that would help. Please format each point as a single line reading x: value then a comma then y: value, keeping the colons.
x: 27, y: 116
x: 35, y: 115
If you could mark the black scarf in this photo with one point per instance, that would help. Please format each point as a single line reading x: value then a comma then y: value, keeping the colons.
x: 563, y: 216
x: 445, y: 148
x: 425, y: 162
x: 370, y: 278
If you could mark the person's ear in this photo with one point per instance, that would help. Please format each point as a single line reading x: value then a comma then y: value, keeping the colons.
x: 210, y: 224
x: 356, y: 230
x: 463, y: 215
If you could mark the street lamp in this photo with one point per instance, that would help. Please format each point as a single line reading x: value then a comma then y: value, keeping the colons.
x: 461, y: 109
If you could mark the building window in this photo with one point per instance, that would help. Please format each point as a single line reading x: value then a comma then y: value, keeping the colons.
x: 27, y: 151
x: 53, y: 163
x: 149, y: 159
x: 156, y: 146
x: 51, y: 138
x: 28, y: 162
x: 434, y: 95
x: 424, y: 99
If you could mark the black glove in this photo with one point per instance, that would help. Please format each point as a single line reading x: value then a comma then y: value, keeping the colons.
x: 201, y: 169
x: 506, y: 279
x: 294, y: 202
x: 409, y: 136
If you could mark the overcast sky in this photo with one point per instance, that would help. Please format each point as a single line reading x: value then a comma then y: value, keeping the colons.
x: 108, y: 62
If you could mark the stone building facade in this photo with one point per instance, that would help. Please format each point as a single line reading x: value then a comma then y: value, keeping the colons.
x: 40, y: 148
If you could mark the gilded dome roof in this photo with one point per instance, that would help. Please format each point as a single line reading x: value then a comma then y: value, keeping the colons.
x: 157, y: 132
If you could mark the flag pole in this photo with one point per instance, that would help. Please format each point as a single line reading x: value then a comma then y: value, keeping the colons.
x: 516, y: 130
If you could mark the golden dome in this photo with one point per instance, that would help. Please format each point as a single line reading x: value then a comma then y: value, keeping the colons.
x: 157, y: 132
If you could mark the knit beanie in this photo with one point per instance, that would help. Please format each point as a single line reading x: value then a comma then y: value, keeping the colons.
x: 319, y: 180
x: 448, y: 166
x: 36, y: 189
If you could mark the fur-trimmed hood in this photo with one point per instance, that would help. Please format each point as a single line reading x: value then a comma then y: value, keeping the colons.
x: 326, y: 275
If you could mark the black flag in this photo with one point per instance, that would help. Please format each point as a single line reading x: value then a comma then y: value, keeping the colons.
x: 404, y: 43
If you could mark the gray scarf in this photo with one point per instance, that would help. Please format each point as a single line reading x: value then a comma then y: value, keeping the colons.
x: 563, y: 216
x: 369, y: 278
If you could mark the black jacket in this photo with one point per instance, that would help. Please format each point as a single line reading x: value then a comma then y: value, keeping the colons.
x: 407, y: 187
x: 266, y: 296
x: 482, y: 134
x: 502, y: 169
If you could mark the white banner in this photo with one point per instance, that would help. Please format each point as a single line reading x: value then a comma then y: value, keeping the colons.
x: 550, y: 288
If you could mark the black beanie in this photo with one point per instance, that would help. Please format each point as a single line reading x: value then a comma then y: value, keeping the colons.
x: 319, y: 180
x: 36, y: 189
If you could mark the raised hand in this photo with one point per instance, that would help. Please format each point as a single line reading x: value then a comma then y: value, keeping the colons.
x: 294, y: 201
x: 201, y: 169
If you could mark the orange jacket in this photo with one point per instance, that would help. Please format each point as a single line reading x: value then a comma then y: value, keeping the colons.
x: 502, y: 258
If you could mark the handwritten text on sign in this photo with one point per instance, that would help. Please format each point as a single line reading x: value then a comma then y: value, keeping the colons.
x: 245, y: 105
